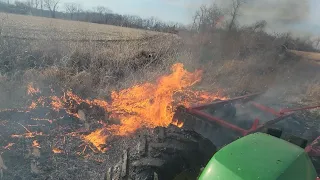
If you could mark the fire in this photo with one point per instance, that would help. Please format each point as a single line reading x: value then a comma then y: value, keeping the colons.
x: 27, y: 135
x: 31, y: 90
x: 33, y: 105
x: 143, y: 105
x: 98, y: 138
x: 56, y: 150
x: 177, y: 123
x: 9, y: 146
x: 36, y: 144
x: 153, y: 105
x: 56, y: 103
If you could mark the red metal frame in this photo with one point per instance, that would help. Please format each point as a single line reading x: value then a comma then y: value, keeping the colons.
x: 279, y: 115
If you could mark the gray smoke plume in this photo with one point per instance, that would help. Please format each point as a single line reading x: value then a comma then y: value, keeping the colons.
x: 275, y: 11
x: 280, y: 15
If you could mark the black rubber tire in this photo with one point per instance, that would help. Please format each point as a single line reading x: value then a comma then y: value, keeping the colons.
x: 162, y: 155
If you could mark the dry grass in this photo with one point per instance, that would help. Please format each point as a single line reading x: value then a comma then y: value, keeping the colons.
x: 21, y: 26
x: 90, y: 68
x: 315, y: 57
x: 236, y: 64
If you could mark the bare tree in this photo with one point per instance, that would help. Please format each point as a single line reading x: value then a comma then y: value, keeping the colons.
x: 30, y: 3
x: 79, y: 9
x: 36, y: 4
x: 52, y: 5
x: 71, y: 8
x: 236, y: 4
x: 33, y: 4
x: 316, y: 43
x: 206, y: 18
x: 41, y: 6
x: 102, y: 11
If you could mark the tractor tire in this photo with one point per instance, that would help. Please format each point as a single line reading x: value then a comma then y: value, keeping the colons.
x: 162, y: 155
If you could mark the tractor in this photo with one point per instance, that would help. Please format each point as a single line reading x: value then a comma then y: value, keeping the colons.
x: 230, y: 139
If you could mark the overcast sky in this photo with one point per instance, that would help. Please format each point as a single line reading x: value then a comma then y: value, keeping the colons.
x: 168, y: 10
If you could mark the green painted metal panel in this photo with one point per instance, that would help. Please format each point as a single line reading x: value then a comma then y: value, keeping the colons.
x: 262, y: 157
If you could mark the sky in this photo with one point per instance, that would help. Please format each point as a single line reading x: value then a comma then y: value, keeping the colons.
x: 182, y: 10
x: 167, y: 10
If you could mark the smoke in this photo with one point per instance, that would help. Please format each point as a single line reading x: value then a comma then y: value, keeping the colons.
x: 280, y: 15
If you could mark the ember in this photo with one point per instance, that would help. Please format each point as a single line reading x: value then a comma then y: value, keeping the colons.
x: 31, y: 90
x: 27, y: 135
x: 9, y: 146
x: 36, y: 144
x: 98, y: 138
x: 56, y: 150
x: 177, y: 123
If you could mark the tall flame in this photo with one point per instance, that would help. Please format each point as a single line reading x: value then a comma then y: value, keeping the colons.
x: 143, y: 105
x: 150, y: 104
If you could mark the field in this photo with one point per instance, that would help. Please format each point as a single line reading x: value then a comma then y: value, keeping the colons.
x: 313, y: 57
x: 72, y: 93
x: 30, y: 27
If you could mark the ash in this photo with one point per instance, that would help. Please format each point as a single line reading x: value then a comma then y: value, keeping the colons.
x: 61, y: 153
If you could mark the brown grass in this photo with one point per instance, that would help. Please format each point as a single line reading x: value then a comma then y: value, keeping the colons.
x: 313, y: 56
x: 90, y: 68
x: 233, y: 64
x: 22, y: 26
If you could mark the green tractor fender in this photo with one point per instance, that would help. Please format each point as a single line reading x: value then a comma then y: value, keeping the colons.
x: 260, y: 156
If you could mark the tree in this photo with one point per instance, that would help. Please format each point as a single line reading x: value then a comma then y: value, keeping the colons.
x: 102, y: 11
x: 206, y: 18
x: 36, y: 3
x: 236, y: 4
x: 52, y: 5
x: 41, y: 6
x: 32, y: 4
x: 71, y: 8
x: 22, y: 7
x: 317, y: 43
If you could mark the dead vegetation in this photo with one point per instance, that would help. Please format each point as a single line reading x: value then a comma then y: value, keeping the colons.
x: 88, y: 68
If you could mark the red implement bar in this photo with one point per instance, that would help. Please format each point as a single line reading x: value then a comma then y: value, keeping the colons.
x: 266, y: 108
x: 283, y: 111
x: 247, y: 98
x: 255, y: 126
x: 218, y: 120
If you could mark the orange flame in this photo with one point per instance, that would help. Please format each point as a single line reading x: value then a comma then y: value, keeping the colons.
x: 153, y: 105
x: 144, y: 105
x: 98, y: 138
x: 33, y: 105
x: 9, y: 146
x: 177, y: 123
x: 36, y: 144
x: 32, y: 90
x: 27, y: 135
x: 56, y: 103
x: 56, y: 150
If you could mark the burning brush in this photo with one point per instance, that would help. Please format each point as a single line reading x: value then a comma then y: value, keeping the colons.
x: 144, y: 105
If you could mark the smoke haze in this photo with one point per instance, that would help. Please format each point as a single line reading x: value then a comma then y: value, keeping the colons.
x: 284, y: 15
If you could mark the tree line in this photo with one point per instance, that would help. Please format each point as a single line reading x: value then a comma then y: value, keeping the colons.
x: 74, y: 11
